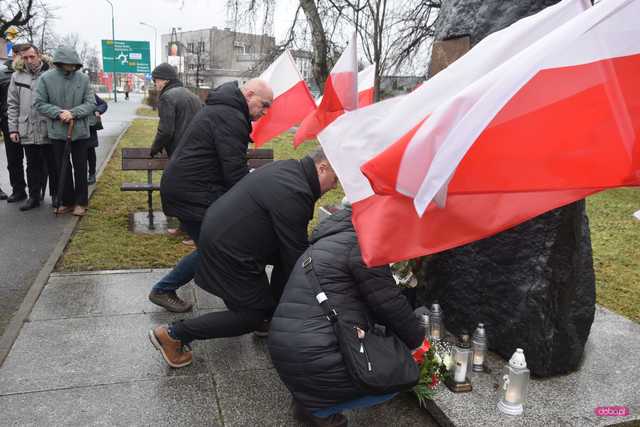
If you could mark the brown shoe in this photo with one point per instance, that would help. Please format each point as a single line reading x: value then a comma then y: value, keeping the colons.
x: 62, y: 210
x: 302, y: 414
x: 79, y: 211
x: 175, y: 232
x: 169, y: 301
x: 176, y: 354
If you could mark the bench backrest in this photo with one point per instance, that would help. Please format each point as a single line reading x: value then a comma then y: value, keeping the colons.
x: 136, y: 159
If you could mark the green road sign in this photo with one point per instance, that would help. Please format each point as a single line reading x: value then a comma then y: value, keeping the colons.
x: 131, y: 56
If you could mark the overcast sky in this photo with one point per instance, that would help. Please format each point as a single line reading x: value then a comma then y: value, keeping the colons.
x: 91, y: 19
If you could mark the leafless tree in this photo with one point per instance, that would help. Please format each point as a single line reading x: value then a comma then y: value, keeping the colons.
x: 38, y: 30
x: 14, y: 13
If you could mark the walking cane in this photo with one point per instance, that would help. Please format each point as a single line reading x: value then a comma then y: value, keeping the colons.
x: 64, y: 166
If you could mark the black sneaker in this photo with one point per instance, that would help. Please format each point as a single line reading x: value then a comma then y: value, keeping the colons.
x: 3, y: 195
x: 32, y: 203
x: 17, y: 197
x: 169, y: 301
x: 92, y: 179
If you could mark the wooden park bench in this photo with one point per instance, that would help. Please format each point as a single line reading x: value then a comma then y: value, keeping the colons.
x: 139, y: 159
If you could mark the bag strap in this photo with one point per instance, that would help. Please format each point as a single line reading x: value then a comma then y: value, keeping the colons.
x: 321, y: 297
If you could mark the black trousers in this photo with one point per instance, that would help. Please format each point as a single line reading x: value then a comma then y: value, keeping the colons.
x: 15, y: 162
x: 40, y: 163
x: 76, y: 187
x: 91, y: 157
x: 219, y: 324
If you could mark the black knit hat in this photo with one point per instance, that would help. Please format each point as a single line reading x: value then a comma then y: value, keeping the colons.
x: 164, y: 71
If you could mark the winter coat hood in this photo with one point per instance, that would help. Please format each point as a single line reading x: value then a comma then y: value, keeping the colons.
x: 339, y: 222
x: 66, y: 55
x: 229, y: 94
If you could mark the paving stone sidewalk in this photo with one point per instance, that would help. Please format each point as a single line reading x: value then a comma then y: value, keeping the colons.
x: 83, y: 358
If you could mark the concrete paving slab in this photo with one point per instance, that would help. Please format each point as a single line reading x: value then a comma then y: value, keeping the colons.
x: 258, y: 397
x: 179, y: 401
x: 207, y: 301
x: 100, y: 294
x: 242, y: 353
x: 252, y: 398
x: 87, y: 351
x: 609, y: 376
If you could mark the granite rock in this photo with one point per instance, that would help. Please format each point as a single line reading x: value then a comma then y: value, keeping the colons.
x: 533, y: 286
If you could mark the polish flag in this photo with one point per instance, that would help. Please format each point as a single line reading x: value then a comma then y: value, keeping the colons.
x: 292, y: 100
x: 389, y: 228
x: 563, y: 114
x: 366, y: 79
x: 340, y: 95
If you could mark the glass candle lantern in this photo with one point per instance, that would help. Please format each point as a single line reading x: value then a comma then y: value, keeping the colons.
x: 426, y: 323
x: 515, y: 381
x: 461, y: 359
x: 436, y: 322
x: 479, y: 342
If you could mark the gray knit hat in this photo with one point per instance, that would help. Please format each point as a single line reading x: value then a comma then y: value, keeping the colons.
x: 164, y: 71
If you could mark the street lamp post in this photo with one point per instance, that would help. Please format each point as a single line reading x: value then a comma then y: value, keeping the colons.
x: 113, y: 45
x: 155, y: 43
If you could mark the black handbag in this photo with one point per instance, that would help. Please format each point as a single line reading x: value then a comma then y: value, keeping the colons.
x: 378, y: 362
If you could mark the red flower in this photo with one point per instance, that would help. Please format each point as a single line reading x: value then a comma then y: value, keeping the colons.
x: 418, y: 353
x: 434, y: 381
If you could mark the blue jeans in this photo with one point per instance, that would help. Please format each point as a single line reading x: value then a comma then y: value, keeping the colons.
x: 362, y: 402
x: 184, y: 271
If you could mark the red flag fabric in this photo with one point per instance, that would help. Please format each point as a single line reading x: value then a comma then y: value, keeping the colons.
x: 366, y: 80
x: 292, y: 100
x: 340, y: 95
x: 388, y: 225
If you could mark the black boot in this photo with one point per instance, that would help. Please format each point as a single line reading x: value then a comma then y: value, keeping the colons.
x: 32, y: 202
x: 17, y: 197
x: 3, y: 195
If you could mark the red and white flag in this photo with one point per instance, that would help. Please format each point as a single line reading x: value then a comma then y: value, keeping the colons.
x: 366, y: 80
x: 562, y: 114
x: 389, y: 228
x: 340, y: 95
x: 292, y: 100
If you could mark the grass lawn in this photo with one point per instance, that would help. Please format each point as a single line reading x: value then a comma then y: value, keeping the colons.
x: 615, y: 237
x: 147, y: 112
x: 102, y: 240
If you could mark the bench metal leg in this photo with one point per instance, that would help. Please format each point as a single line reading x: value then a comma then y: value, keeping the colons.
x: 150, y: 202
x: 150, y: 215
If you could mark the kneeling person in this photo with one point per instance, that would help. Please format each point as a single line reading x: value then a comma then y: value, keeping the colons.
x: 261, y: 220
x: 302, y: 342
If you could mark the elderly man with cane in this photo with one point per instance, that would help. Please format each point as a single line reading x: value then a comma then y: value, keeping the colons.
x: 64, y: 96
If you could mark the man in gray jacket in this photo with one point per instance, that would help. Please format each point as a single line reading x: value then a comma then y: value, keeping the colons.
x: 28, y: 127
x: 64, y: 95
x: 177, y: 105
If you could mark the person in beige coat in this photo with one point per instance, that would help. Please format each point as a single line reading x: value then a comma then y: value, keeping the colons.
x: 28, y: 127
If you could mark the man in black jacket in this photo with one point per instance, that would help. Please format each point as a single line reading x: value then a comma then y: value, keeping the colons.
x: 262, y: 220
x: 210, y: 158
x: 177, y: 106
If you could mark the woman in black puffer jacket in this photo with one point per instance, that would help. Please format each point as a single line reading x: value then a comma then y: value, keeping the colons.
x: 302, y: 343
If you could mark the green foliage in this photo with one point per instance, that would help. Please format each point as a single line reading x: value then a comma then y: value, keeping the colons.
x: 432, y: 372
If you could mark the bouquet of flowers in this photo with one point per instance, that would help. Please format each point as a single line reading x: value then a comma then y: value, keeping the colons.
x: 435, y: 362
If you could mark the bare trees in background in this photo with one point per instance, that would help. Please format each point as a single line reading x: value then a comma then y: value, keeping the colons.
x: 394, y: 34
x: 14, y: 13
